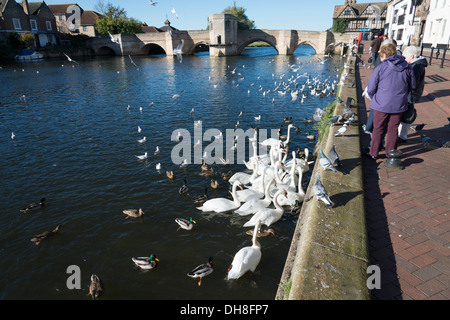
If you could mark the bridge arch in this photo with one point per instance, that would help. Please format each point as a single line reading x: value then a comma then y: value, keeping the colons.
x: 106, y: 51
x: 198, y: 46
x: 305, y: 43
x: 250, y: 41
x: 152, y: 48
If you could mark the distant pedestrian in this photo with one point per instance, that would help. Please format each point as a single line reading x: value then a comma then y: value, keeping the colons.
x: 418, y: 65
x: 375, y: 47
x: 388, y: 90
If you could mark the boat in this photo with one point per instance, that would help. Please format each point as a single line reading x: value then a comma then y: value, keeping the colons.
x: 29, y: 55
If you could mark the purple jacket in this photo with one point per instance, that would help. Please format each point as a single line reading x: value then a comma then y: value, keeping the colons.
x: 389, y: 85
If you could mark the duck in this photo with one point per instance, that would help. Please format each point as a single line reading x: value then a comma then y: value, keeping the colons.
x: 184, y: 188
x: 310, y: 136
x: 222, y: 204
x: 208, y: 172
x: 185, y: 223
x: 296, y: 208
x: 247, y: 258
x: 268, y: 216
x: 96, y: 287
x: 214, y: 184
x: 34, y: 206
x: 149, y: 262
x: 133, y: 213
x: 45, y: 235
x: 262, y: 233
x: 202, y: 271
x: 227, y: 175
x: 170, y: 175
x: 204, y: 166
x: 201, y: 198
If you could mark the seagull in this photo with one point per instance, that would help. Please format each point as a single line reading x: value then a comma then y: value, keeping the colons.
x: 153, y: 3
x: 158, y: 166
x: 334, y: 157
x: 184, y: 163
x: 320, y: 192
x: 177, y: 95
x: 70, y: 59
x: 174, y: 12
x: 157, y: 150
x: 178, y: 51
x: 139, y: 129
x: 143, y: 157
x: 325, y: 163
x: 112, y: 38
x: 192, y: 111
x: 23, y: 98
x: 13, y: 136
x: 142, y: 140
x: 258, y: 118
x: 341, y: 131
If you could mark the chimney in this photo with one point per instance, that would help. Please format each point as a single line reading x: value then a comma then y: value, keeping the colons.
x: 25, y: 7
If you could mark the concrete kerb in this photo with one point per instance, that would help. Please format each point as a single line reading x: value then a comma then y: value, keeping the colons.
x: 328, y: 257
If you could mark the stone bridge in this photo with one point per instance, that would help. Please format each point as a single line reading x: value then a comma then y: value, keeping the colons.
x: 223, y: 39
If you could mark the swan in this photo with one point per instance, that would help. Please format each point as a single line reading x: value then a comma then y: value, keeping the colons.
x: 253, y: 205
x: 250, y: 193
x: 222, y: 204
x: 247, y: 258
x: 245, y: 178
x: 288, y: 138
x: 268, y: 216
x: 292, y: 195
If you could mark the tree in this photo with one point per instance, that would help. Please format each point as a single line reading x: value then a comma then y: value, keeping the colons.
x: 340, y: 25
x: 114, y: 20
x: 243, y: 21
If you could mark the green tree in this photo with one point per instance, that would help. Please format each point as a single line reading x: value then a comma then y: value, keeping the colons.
x: 243, y: 21
x: 114, y: 20
x: 340, y: 25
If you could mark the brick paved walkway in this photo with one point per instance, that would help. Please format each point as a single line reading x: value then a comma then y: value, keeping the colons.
x: 408, y: 211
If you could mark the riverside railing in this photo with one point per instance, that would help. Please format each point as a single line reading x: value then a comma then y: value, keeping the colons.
x: 436, y: 54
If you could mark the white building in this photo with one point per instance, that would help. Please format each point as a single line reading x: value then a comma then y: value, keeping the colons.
x: 400, y: 20
x: 437, y: 27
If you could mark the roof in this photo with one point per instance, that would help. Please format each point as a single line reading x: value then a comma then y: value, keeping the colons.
x: 60, y: 8
x: 89, y: 17
x: 358, y: 8
x: 148, y: 29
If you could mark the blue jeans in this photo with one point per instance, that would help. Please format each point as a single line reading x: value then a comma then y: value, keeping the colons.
x: 374, y: 57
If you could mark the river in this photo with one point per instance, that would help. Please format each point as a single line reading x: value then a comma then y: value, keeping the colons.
x: 76, y: 145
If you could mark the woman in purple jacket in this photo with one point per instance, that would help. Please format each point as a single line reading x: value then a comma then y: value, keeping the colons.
x: 388, y: 88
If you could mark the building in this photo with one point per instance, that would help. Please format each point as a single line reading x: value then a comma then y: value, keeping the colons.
x: 437, y: 28
x: 420, y: 18
x: 28, y: 17
x: 401, y: 21
x: 65, y: 14
x: 368, y: 18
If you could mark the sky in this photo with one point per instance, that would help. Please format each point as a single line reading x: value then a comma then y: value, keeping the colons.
x: 315, y: 15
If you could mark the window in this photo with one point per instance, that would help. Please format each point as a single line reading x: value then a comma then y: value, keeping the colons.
x: 61, y: 17
x: 16, y: 23
x: 33, y: 24
x: 399, y: 34
x: 60, y: 29
x: 49, y: 25
x: 84, y: 28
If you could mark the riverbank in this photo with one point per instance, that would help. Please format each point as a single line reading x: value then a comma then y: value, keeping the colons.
x: 328, y: 258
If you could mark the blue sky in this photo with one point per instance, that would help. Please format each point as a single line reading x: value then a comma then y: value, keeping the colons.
x: 192, y: 15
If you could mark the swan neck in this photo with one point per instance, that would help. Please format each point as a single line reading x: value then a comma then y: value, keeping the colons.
x: 275, y: 200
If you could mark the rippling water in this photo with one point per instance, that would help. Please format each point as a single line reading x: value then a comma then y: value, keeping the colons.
x: 76, y: 146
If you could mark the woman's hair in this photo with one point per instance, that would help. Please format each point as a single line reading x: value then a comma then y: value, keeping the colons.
x: 388, y: 49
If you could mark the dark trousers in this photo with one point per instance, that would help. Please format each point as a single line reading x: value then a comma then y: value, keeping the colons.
x: 381, y: 122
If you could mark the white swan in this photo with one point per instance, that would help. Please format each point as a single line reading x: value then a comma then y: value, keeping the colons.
x: 247, y: 258
x: 290, y: 126
x: 222, y: 204
x: 243, y: 177
x: 250, y: 193
x: 293, y: 196
x: 253, y: 205
x: 268, y: 216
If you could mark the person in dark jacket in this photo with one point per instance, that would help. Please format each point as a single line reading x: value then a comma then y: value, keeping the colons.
x: 418, y: 65
x: 388, y: 89
x: 374, y: 47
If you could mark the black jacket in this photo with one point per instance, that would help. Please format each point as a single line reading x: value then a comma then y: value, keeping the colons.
x: 418, y: 67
